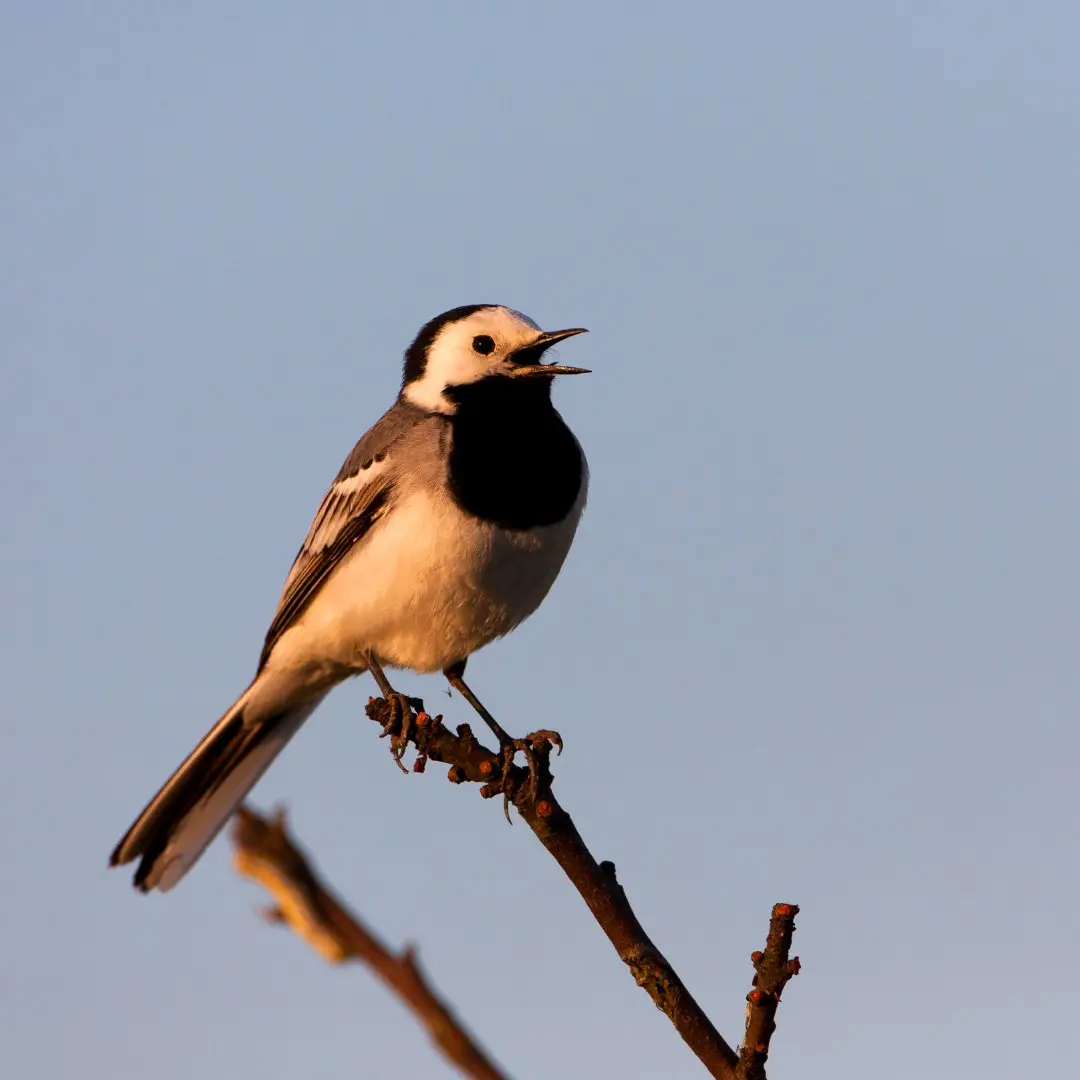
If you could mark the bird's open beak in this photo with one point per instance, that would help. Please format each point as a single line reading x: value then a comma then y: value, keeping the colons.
x: 527, y: 361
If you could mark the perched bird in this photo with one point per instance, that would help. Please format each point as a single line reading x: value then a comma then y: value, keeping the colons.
x: 445, y: 528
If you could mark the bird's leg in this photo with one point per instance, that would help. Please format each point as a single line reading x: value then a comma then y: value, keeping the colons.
x: 399, y: 724
x: 454, y: 676
x: 508, y: 746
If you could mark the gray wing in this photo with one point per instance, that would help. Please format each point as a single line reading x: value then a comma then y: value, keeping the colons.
x: 360, y: 495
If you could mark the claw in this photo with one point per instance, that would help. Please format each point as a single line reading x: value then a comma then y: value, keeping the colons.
x: 529, y: 751
x: 546, y: 735
x: 400, y: 724
x: 508, y: 751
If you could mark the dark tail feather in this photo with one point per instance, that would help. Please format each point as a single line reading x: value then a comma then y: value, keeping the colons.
x: 193, y: 805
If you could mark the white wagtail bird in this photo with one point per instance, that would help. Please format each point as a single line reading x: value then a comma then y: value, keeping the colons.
x: 445, y: 528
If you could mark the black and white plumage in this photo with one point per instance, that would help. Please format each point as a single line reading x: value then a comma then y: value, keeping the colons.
x: 445, y: 529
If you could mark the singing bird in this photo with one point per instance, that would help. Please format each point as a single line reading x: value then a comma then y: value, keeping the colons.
x: 445, y: 529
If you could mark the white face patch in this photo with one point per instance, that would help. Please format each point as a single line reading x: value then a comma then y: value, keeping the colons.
x: 452, y: 359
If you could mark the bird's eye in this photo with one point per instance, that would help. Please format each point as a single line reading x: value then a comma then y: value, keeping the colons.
x: 483, y: 344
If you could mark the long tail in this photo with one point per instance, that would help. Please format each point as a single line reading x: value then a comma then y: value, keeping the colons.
x: 182, y: 819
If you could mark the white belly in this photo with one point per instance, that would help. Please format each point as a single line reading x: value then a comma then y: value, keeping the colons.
x: 429, y: 586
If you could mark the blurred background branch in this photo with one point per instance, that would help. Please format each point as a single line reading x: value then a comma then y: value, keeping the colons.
x: 264, y: 852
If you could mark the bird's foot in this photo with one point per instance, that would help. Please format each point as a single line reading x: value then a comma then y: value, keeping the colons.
x: 399, y: 723
x: 536, y: 749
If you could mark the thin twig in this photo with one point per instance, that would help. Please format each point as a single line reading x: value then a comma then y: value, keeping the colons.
x: 772, y: 970
x: 264, y: 852
x: 596, y: 882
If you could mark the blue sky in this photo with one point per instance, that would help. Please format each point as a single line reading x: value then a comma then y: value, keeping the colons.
x: 816, y: 641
